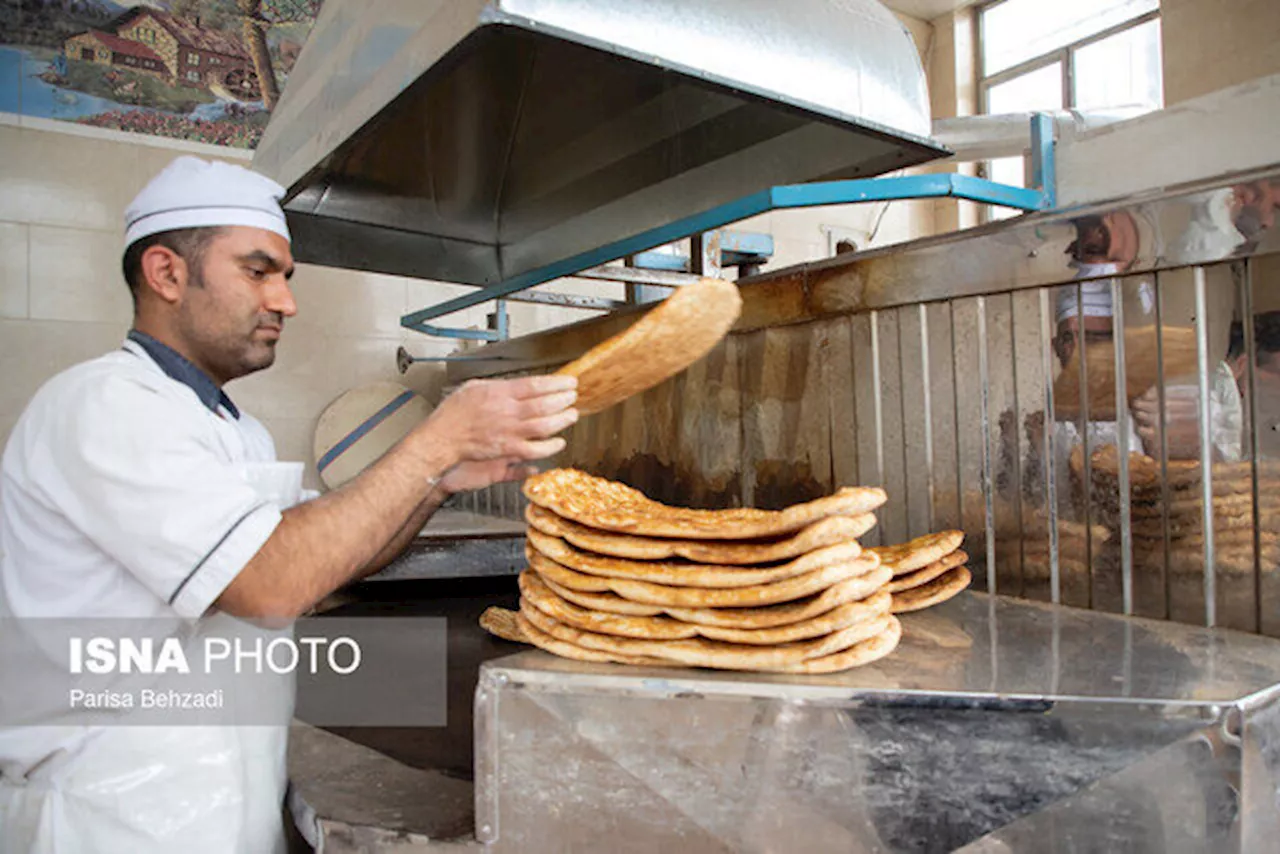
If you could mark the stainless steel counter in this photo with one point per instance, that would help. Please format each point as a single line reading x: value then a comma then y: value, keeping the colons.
x: 999, y: 724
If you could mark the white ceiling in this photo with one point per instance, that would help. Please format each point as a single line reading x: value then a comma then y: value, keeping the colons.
x: 926, y: 10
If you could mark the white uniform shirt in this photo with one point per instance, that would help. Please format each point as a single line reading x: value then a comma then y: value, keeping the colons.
x: 124, y: 494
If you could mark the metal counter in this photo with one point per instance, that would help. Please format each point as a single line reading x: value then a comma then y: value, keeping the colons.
x: 998, y: 725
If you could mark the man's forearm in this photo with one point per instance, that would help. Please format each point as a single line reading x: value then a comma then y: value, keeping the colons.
x: 323, y: 544
x: 405, y: 535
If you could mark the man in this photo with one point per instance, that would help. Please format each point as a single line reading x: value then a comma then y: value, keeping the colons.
x: 126, y: 491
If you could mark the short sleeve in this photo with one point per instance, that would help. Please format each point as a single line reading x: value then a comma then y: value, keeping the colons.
x: 146, y: 480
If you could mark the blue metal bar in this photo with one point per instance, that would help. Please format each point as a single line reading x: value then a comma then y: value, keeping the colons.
x: 452, y: 332
x: 1044, y: 172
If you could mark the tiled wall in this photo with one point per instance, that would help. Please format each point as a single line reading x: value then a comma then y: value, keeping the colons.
x: 62, y: 298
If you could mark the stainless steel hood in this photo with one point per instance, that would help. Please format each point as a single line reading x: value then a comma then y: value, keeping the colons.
x: 474, y: 142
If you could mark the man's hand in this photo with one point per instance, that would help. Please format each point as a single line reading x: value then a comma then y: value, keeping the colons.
x: 502, y: 421
x: 1181, y: 419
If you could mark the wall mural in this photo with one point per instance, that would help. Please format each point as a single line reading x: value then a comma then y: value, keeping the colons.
x: 202, y: 70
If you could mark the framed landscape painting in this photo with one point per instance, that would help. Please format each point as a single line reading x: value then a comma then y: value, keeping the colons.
x: 201, y: 70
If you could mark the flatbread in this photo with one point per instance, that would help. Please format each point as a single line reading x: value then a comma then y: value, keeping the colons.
x: 667, y: 339
x: 609, y: 602
x: 501, y: 622
x: 687, y: 574
x: 935, y: 630
x: 825, y: 532
x: 698, y: 652
x: 864, y: 652
x: 935, y: 592
x: 849, y: 590
x: 534, y: 591
x: 611, y: 506
x: 693, y: 597
x: 546, y: 642
x: 929, y: 573
x: 920, y: 552
x: 840, y: 617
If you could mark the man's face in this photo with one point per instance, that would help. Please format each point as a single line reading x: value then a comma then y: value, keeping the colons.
x: 233, y: 309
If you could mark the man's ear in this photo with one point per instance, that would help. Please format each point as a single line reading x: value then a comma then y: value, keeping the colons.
x: 164, y: 273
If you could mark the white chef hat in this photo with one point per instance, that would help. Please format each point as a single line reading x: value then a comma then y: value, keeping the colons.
x: 194, y: 193
x: 1094, y: 298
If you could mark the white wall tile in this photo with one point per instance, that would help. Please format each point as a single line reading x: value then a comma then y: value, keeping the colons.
x: 13, y: 270
x: 345, y: 302
x: 69, y: 181
x: 75, y: 276
x: 311, y: 370
x: 33, y: 351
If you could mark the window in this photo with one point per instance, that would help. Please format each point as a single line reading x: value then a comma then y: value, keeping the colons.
x: 1086, y: 54
x: 193, y: 59
x: 193, y: 76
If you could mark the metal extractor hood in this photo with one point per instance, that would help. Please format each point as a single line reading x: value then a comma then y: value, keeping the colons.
x: 475, y: 142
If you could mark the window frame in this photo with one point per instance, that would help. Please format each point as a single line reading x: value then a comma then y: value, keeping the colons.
x: 1065, y: 55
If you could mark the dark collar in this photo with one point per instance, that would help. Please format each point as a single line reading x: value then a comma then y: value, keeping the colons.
x: 178, y: 368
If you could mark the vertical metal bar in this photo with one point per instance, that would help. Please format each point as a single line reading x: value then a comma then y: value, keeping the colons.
x: 1206, y: 449
x: 902, y: 428
x: 984, y: 379
x: 875, y: 384
x: 1164, y: 451
x: 955, y: 394
x: 928, y: 408
x: 1122, y: 438
x: 1251, y: 384
x: 1084, y: 440
x: 1017, y: 448
x: 1050, y: 450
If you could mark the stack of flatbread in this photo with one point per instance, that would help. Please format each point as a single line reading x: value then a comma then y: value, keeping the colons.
x: 614, y: 576
x: 926, y: 571
x: 1233, y: 510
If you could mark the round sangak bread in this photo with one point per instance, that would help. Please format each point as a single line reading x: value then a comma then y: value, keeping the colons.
x: 667, y: 339
x: 920, y: 552
x: 929, y: 573
x: 698, y: 652
x: 865, y: 652
x: 664, y: 595
x: 536, y: 592
x: 501, y: 622
x: 687, y: 574
x: 544, y: 641
x: 608, y: 601
x: 872, y: 649
x: 611, y: 506
x: 934, y: 592
x: 831, y: 531
x: 850, y: 590
x: 541, y: 596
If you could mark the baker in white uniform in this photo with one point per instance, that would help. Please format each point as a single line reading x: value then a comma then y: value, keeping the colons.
x: 127, y: 489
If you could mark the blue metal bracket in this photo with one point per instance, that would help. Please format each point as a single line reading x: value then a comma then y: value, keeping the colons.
x: 943, y: 185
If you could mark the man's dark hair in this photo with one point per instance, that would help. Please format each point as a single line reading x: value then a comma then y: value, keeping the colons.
x: 189, y: 243
x: 1266, y: 337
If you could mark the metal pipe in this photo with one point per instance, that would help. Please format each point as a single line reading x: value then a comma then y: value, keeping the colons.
x: 927, y: 392
x: 984, y: 378
x: 1084, y: 439
x: 1122, y: 430
x: 1164, y: 449
x: 1050, y: 465
x: 1251, y: 383
x: 1206, y: 448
